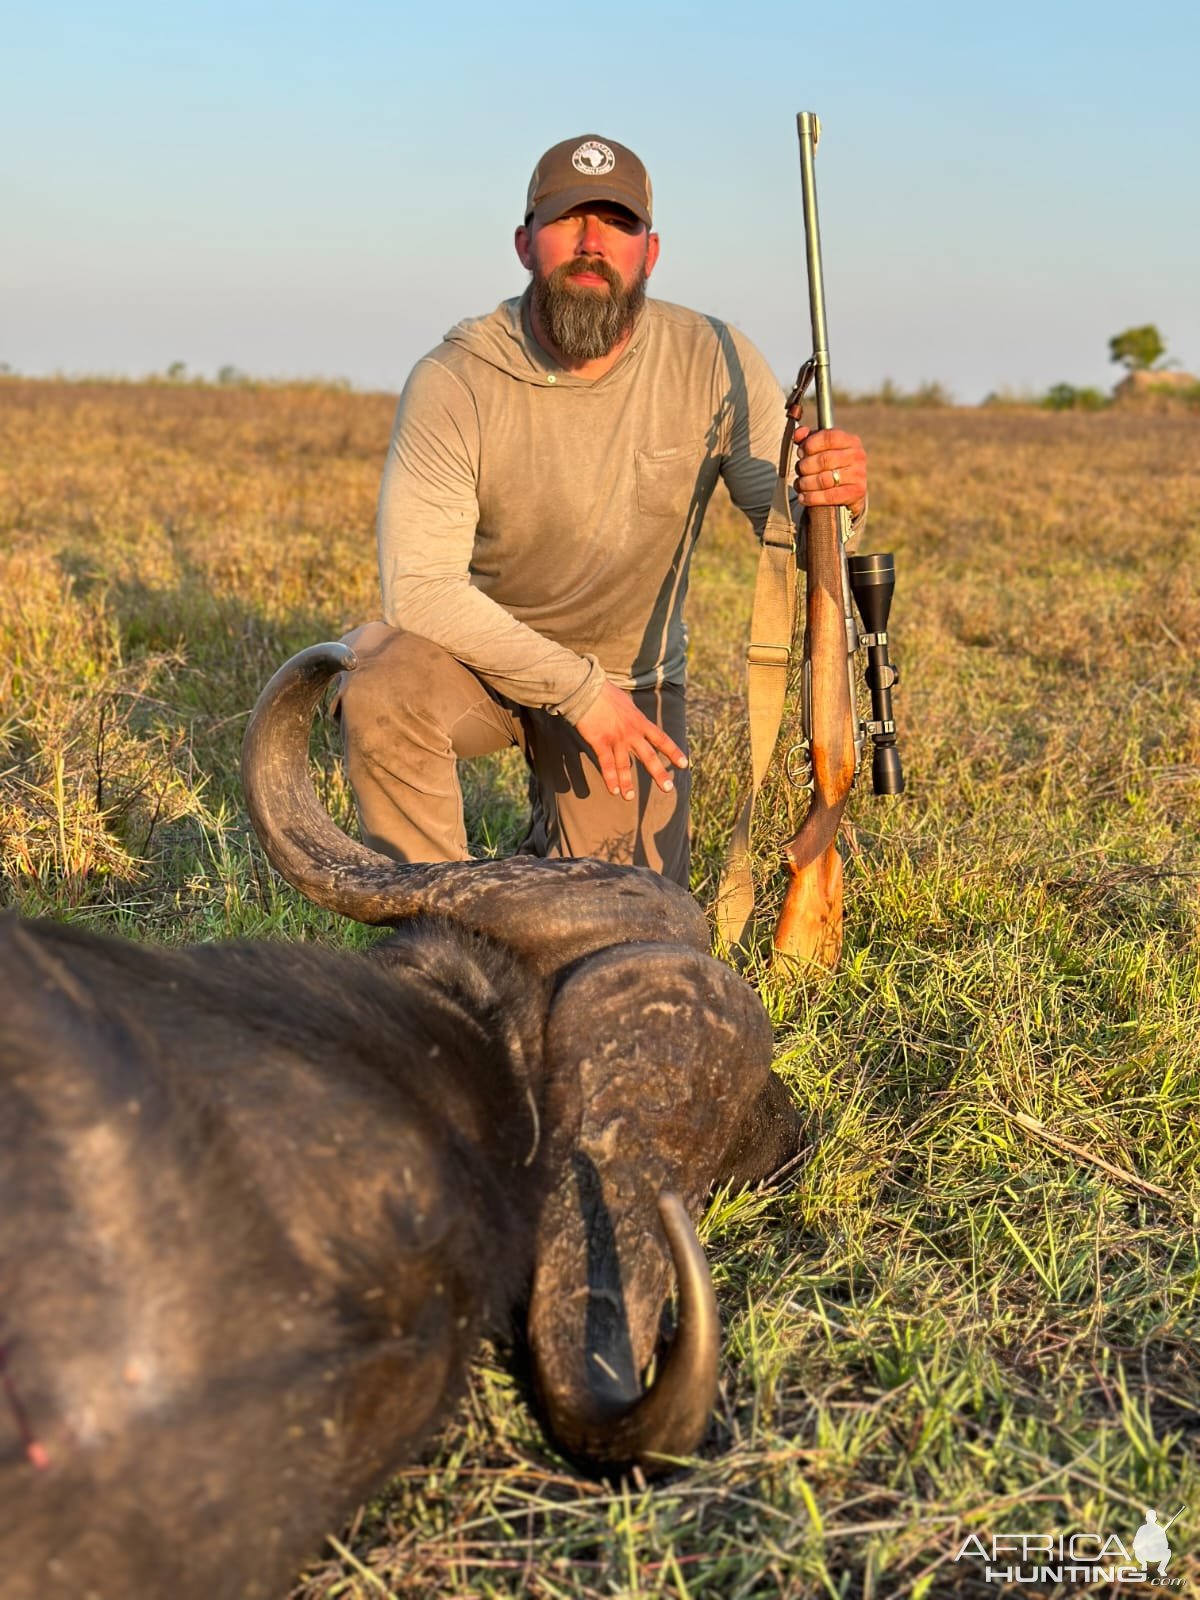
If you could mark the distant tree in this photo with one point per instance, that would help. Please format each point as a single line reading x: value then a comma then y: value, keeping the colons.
x: 1066, y: 397
x: 1137, y: 349
x: 230, y: 375
x: 5, y: 370
x: 177, y: 372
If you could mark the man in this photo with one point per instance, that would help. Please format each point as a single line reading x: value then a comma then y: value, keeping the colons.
x: 547, y: 478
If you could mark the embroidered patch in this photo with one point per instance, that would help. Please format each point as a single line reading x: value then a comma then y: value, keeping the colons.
x: 593, y: 158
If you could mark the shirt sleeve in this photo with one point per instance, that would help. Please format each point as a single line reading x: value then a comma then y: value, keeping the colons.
x: 428, y: 514
x: 750, y: 464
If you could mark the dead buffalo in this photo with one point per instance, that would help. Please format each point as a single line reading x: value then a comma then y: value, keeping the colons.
x: 666, y: 1049
x: 259, y: 1202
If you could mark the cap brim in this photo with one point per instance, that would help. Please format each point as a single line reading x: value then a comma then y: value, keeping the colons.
x: 557, y: 205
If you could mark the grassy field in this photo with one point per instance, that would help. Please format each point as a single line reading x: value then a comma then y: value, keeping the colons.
x: 976, y: 1306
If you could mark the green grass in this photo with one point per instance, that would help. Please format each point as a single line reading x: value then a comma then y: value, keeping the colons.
x: 944, y: 1320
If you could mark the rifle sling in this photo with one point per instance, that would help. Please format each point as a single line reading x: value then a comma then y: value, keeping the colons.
x: 772, y: 629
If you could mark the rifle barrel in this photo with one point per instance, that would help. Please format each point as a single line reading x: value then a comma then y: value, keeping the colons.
x: 808, y: 126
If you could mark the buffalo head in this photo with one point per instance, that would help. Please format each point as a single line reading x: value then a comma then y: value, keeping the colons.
x: 666, y: 1051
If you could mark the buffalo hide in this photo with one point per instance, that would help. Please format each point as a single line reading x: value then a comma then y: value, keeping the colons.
x: 258, y: 1203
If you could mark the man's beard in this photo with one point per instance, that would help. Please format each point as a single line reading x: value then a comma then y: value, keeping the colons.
x: 583, y: 322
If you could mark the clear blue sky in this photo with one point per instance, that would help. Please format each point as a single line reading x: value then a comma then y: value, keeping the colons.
x: 321, y: 189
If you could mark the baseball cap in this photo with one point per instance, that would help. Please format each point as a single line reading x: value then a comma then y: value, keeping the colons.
x: 587, y: 168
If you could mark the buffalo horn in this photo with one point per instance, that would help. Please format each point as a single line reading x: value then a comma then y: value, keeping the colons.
x: 551, y: 912
x: 671, y: 1418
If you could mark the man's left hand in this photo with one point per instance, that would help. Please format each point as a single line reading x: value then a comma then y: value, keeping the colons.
x: 831, y: 469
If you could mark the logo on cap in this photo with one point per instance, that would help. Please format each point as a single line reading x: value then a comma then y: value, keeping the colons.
x: 593, y: 158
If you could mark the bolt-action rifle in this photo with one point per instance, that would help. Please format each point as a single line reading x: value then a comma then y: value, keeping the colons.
x: 829, y: 752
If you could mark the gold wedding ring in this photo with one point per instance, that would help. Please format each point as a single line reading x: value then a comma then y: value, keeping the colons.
x: 837, y: 477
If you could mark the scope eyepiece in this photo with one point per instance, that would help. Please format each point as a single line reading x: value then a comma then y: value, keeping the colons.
x: 887, y: 776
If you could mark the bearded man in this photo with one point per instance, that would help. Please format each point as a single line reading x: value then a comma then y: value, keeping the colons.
x: 547, y: 479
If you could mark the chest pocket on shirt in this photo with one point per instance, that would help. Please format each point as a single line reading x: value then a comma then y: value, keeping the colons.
x: 666, y: 479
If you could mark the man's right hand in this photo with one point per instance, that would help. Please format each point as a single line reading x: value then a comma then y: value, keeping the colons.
x: 617, y: 732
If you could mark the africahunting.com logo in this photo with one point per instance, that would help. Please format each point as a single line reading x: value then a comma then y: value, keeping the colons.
x: 1076, y: 1557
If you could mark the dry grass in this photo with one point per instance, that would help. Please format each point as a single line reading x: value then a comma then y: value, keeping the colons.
x: 947, y: 1321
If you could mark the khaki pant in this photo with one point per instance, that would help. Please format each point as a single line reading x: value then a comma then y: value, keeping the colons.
x: 411, y: 711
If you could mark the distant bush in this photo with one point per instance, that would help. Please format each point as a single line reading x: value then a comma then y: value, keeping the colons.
x: 929, y: 392
x: 1008, y: 396
x: 177, y: 375
x: 1066, y: 397
x: 1187, y: 393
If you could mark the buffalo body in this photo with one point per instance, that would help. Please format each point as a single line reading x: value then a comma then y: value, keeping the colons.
x: 258, y: 1203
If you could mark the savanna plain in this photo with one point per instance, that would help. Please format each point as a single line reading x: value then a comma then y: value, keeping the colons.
x: 974, y: 1305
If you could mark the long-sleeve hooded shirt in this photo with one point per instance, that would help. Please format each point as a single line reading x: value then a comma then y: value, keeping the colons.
x: 539, y: 526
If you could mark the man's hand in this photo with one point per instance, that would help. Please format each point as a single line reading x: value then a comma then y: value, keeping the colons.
x: 831, y: 469
x: 617, y: 731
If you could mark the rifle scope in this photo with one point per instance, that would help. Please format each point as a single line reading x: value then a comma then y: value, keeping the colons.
x: 872, y: 582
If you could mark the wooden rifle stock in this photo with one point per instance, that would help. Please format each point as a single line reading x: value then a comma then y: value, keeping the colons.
x: 810, y: 923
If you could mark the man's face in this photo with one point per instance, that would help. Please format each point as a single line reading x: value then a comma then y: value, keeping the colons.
x: 589, y: 271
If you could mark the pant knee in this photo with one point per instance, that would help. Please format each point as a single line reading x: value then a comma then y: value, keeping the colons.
x: 402, y: 682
